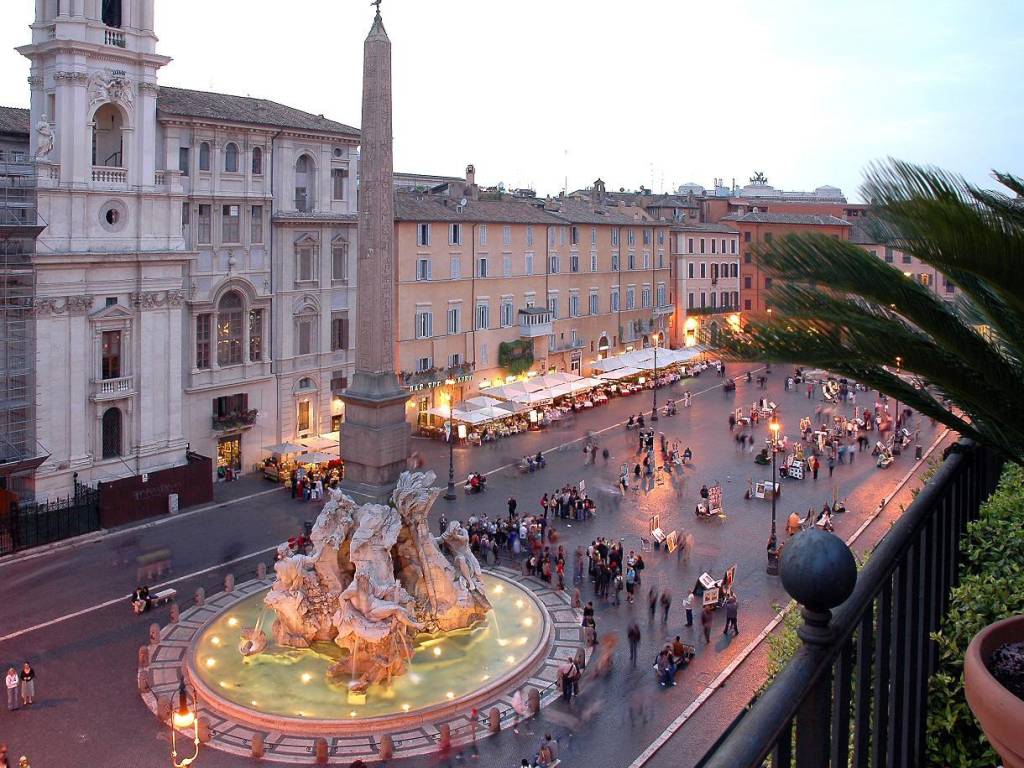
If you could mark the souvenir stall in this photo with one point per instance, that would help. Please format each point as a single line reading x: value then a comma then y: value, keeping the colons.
x: 281, y: 462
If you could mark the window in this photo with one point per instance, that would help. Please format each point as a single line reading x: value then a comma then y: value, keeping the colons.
x: 231, y: 158
x: 631, y: 237
x: 204, y: 323
x: 613, y: 300
x: 481, y: 266
x: 574, y: 305
x: 454, y: 320
x: 661, y: 237
x: 746, y: 304
x: 422, y: 269
x: 732, y: 248
x: 424, y: 325
x: 553, y: 306
x: 593, y: 235
x: 702, y: 245
x: 339, y: 261
x: 714, y: 271
x: 593, y: 307
x: 615, y: 238
x: 907, y: 259
x: 305, y: 264
x: 483, y: 234
x: 483, y: 316
x: 257, y: 161
x: 111, y: 433
x: 506, y: 235
x: 304, y: 184
x: 305, y: 332
x: 767, y: 237
x: 528, y: 269
x: 632, y: 260
x: 339, y: 180
x: 735, y: 270
x: 256, y: 225
x: 714, y: 245
x: 703, y: 270
x: 229, y: 329
x: 746, y: 239
x: 630, y: 298
x: 747, y: 259
x: 205, y: 224
x: 647, y: 237
x: 456, y: 267
x: 553, y: 264
x: 422, y: 234
x: 661, y: 260
x: 339, y: 331
x: 110, y: 343
x: 183, y: 160
x: 424, y: 364
x: 529, y: 237
x: 454, y: 234
x: 689, y: 247
x: 647, y: 260
x: 949, y: 286
x: 575, y: 235
x: 661, y: 295
x: 746, y: 283
x: 593, y: 261
x: 305, y: 415
x: 767, y: 282
x: 736, y: 299
x: 204, y: 156
x: 689, y: 270
x: 506, y: 313
x: 112, y: 18
x: 925, y: 279
x: 186, y: 212
x: 255, y: 335
x: 645, y: 297
x: 230, y: 224
x: 574, y: 262
x: 506, y: 266
x: 689, y: 301
x: 703, y: 300
x: 714, y: 300
x: 615, y: 262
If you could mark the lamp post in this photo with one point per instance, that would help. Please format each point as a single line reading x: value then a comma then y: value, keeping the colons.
x: 182, y: 718
x: 450, y: 493
x: 654, y: 340
x: 773, y: 539
x: 899, y: 365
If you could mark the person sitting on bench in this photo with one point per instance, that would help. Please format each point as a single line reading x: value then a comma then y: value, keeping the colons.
x: 140, y: 599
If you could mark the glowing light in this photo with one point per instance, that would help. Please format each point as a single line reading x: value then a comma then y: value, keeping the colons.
x: 215, y: 640
x: 690, y: 324
x: 306, y: 677
x: 253, y: 702
x: 519, y: 603
x: 437, y: 650
x: 502, y: 642
x: 528, y: 621
x: 211, y: 662
x: 405, y: 707
x: 522, y: 640
x: 222, y: 684
x: 232, y: 622
x: 352, y: 713
x: 510, y: 659
x: 450, y: 695
x: 485, y: 678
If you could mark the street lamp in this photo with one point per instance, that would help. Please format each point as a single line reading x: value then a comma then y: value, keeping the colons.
x: 182, y: 718
x: 654, y: 340
x: 899, y: 365
x: 450, y: 493
x: 773, y: 539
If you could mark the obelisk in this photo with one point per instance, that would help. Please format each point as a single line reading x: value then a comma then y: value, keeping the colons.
x: 375, y: 436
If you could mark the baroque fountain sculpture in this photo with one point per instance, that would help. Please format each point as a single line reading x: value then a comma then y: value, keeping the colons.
x: 376, y: 579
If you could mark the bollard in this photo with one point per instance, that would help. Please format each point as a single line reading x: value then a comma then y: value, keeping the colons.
x: 143, y: 656
x: 444, y: 739
x: 175, y: 613
x: 321, y: 750
x: 261, y: 571
x: 533, y: 700
x: 918, y: 452
x: 256, y: 750
x: 154, y: 633
x: 200, y: 596
x: 229, y: 583
x: 494, y: 720
x: 203, y: 727
x: 386, y: 748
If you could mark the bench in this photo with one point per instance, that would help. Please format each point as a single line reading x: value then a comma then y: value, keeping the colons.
x: 163, y: 596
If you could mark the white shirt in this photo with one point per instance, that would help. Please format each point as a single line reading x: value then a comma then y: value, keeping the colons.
x: 12, y: 680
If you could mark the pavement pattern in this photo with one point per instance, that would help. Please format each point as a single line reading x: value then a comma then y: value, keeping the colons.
x: 66, y: 609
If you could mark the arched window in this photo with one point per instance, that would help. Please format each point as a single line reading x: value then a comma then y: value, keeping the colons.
x: 204, y: 156
x: 107, y: 143
x: 230, y: 312
x: 111, y: 433
x: 231, y: 158
x: 304, y: 183
x: 257, y: 161
x: 112, y: 13
x: 305, y: 383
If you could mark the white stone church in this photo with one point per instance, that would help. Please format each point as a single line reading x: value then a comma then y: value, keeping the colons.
x: 192, y: 282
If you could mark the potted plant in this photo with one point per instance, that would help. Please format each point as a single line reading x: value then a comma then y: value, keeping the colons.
x: 994, y: 684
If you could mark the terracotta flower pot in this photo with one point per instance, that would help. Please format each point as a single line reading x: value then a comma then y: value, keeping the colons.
x: 1000, y: 713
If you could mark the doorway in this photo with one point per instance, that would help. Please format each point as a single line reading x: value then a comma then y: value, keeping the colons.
x: 229, y: 454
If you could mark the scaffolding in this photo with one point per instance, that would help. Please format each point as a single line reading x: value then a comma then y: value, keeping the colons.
x: 19, y: 228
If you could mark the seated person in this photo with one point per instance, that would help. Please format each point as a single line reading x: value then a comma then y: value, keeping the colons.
x: 140, y: 599
x: 666, y: 667
x: 680, y: 654
x: 539, y: 459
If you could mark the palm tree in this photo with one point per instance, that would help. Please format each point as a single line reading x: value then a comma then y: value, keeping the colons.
x: 839, y: 307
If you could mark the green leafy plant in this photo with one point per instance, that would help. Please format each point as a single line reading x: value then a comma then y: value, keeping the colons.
x: 515, y: 356
x: 991, y: 588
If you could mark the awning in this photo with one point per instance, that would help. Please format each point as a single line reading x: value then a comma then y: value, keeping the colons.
x: 316, y: 457
x: 621, y: 373
x: 478, y: 402
x: 284, y: 448
x: 319, y: 443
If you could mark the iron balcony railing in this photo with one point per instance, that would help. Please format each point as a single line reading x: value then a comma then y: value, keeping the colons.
x: 859, y: 698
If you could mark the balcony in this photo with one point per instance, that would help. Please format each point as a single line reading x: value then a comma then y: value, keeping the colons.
x: 534, y: 322
x: 103, y: 174
x: 112, y: 389
x: 435, y: 377
x: 565, y: 346
x: 240, y: 420
x: 664, y: 309
x: 114, y: 37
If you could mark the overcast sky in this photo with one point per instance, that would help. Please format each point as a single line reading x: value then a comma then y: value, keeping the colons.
x: 540, y: 92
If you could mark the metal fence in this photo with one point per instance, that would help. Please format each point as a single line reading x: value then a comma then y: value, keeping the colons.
x: 860, y: 698
x: 37, y: 523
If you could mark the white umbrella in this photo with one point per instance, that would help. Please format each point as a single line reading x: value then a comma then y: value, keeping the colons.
x: 315, y: 457
x: 284, y: 448
x: 475, y: 403
x: 621, y: 373
x: 319, y: 443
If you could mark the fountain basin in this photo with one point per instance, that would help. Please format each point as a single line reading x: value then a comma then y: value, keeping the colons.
x: 286, y: 689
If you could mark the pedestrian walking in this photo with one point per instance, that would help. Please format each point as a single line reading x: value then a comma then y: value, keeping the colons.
x: 633, y: 635
x: 512, y: 504
x: 815, y: 465
x: 28, y: 684
x: 705, y: 623
x: 731, y: 608
x: 652, y: 602
x: 688, y: 607
x: 12, y: 688
x: 630, y: 584
x: 666, y: 603
x: 831, y: 465
x: 605, y: 455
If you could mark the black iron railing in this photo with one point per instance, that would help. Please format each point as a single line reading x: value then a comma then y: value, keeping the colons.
x: 859, y: 698
x: 44, y: 522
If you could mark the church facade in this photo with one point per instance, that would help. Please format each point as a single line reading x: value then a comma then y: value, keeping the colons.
x: 195, y: 277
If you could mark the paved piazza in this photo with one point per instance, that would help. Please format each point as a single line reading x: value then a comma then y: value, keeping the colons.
x: 67, y: 610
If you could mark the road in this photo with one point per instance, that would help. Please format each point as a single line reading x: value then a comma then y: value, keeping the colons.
x: 66, y: 610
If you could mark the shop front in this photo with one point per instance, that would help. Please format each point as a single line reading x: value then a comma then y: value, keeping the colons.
x: 229, y: 456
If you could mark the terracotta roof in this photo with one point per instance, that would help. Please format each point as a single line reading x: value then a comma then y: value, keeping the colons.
x: 724, y: 229
x: 584, y: 212
x: 243, y: 109
x: 414, y: 207
x: 669, y: 201
x: 14, y: 120
x: 787, y: 218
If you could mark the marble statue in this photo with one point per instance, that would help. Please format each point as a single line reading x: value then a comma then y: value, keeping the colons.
x: 376, y: 579
x: 44, y: 145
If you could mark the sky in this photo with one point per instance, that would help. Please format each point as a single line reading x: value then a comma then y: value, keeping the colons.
x: 549, y: 93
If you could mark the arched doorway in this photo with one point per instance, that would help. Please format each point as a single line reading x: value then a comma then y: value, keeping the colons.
x: 107, y: 142
x: 111, y: 438
x: 112, y: 13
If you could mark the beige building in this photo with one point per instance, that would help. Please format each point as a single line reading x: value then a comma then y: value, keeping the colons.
x: 706, y: 276
x: 863, y: 235
x: 492, y: 288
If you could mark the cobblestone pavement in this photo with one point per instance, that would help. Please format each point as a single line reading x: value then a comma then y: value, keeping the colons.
x: 67, y: 609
